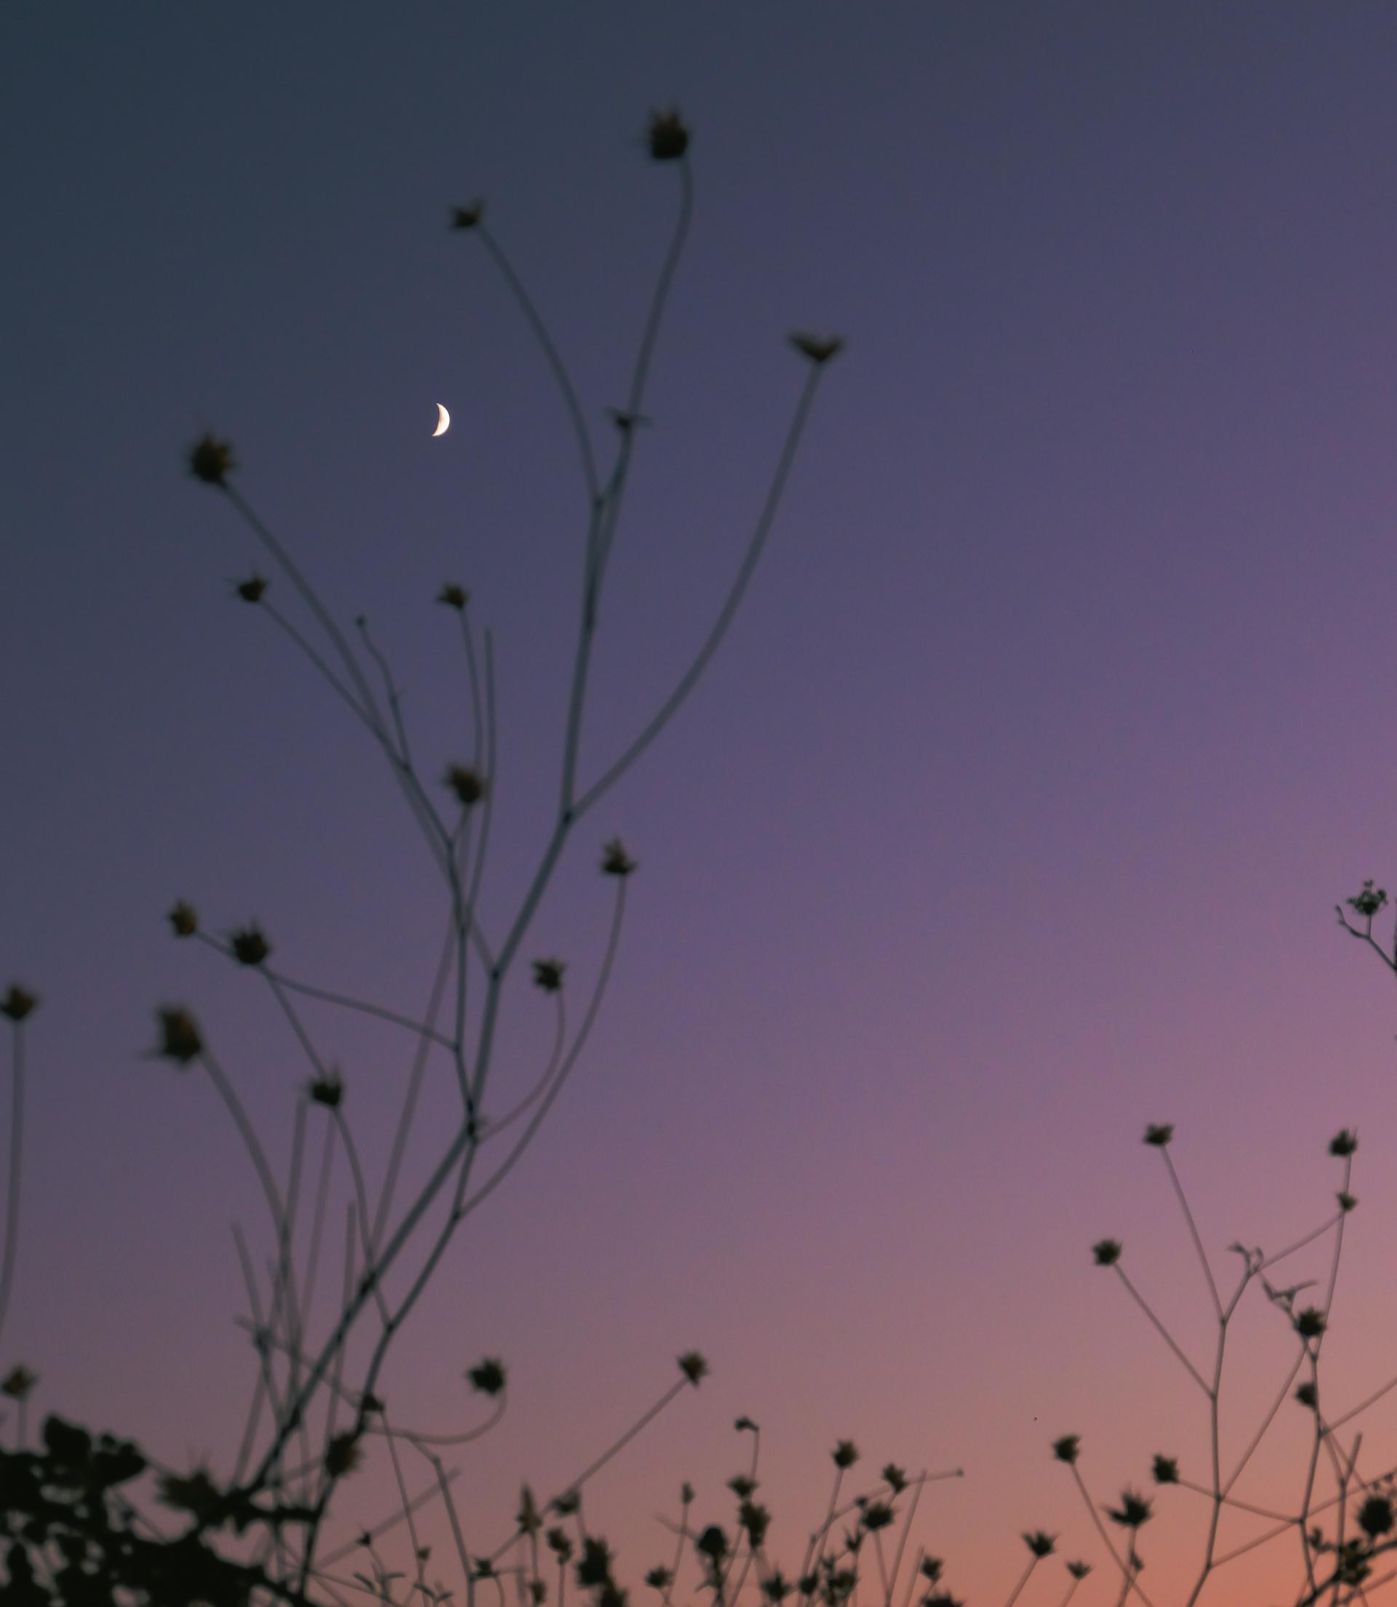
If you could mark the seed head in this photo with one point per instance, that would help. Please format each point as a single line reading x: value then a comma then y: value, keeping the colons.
x: 467, y: 217
x: 1068, y: 1448
x: 1166, y: 1469
x: 1106, y: 1252
x: 1159, y: 1134
x: 454, y: 596
x: 1343, y: 1143
x: 845, y: 1454
x: 251, y: 589
x: 1040, y: 1543
x: 693, y: 1366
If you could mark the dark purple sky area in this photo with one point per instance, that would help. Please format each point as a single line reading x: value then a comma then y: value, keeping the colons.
x: 1011, y: 816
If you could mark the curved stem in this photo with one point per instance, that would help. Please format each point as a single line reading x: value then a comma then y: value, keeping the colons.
x: 551, y: 354
x: 12, y: 1189
x: 667, y: 710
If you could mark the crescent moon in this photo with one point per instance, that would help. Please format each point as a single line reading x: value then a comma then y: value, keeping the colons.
x: 443, y: 421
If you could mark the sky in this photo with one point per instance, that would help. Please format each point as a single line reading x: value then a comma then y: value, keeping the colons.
x: 1010, y: 817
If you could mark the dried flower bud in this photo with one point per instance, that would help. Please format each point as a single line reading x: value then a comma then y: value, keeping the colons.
x: 211, y: 460
x: 712, y: 1543
x: 343, y: 1454
x: 327, y: 1090
x: 1106, y: 1252
x: 488, y: 1376
x: 467, y: 217
x: 467, y: 785
x: 755, y: 1520
x: 18, y: 1382
x: 1159, y: 1134
x: 1040, y: 1543
x: 454, y: 596
x: 666, y: 136
x: 1369, y: 901
x: 251, y: 589
x: 548, y: 975
x: 615, y: 860
x: 594, y: 1565
x: 844, y: 1454
x: 693, y: 1366
x: 249, y: 946
x: 1310, y: 1322
x: 179, y: 1035
x: 877, y: 1515
x: 1343, y: 1143
x: 527, y: 1520
x: 1068, y: 1448
x: 818, y: 348
x: 1132, y: 1512
x: 895, y: 1478
x: 18, y: 1002
x: 183, y: 919
x: 1375, y: 1516
x: 1166, y: 1469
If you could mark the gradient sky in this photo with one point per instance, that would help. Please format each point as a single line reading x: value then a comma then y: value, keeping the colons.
x: 1011, y: 817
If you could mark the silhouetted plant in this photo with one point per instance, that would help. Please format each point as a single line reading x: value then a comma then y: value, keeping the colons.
x: 1342, y: 1524
x: 308, y: 1420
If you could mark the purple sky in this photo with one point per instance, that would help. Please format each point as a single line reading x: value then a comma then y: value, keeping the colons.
x: 1010, y: 817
